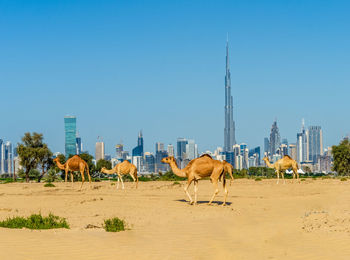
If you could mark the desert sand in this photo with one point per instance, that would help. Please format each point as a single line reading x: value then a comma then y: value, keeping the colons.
x: 306, y: 220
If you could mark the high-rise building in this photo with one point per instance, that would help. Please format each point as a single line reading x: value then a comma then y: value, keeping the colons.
x: 70, y: 129
x: 118, y: 150
x: 315, y: 143
x: 293, y: 151
x: 79, y: 145
x: 170, y: 150
x: 275, y: 139
x: 181, y: 148
x: 255, y: 152
x: 229, y: 131
x: 266, y: 146
x: 99, y: 151
x: 8, y: 157
x: 149, y: 162
x: 2, y: 157
x: 191, y: 150
x: 302, y: 145
x: 138, y: 150
x: 159, y: 146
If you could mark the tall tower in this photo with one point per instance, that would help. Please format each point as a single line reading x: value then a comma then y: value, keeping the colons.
x: 70, y: 129
x: 229, y: 131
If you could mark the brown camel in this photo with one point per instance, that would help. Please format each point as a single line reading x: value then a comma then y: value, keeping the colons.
x: 283, y: 164
x: 198, y: 168
x: 73, y: 164
x: 123, y: 168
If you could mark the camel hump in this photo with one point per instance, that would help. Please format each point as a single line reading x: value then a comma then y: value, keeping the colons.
x: 205, y: 155
x: 288, y: 157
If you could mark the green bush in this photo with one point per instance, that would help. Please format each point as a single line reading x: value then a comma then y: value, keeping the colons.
x: 35, y: 221
x: 302, y: 180
x: 49, y: 184
x: 258, y: 179
x: 7, y: 180
x: 343, y: 179
x: 114, y: 225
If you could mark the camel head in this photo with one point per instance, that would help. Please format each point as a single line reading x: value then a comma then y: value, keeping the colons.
x: 265, y: 159
x: 168, y: 159
x: 56, y: 160
x: 103, y: 169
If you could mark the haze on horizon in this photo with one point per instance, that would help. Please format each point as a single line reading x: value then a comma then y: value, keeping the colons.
x: 122, y: 66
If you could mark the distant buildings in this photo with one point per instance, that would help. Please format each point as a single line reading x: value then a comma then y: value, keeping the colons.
x: 6, y: 157
x: 170, y: 150
x: 315, y: 143
x: 275, y: 139
x: 138, y: 150
x: 99, y: 151
x: 70, y: 130
x: 181, y: 148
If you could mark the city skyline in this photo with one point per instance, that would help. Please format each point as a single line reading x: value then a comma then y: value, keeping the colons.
x: 89, y: 72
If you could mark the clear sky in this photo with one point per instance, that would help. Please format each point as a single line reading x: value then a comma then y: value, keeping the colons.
x: 122, y: 66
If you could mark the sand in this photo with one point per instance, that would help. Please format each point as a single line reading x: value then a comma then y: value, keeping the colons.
x: 309, y: 220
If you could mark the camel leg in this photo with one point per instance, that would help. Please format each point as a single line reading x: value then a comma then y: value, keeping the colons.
x: 186, y: 190
x: 215, y: 183
x: 118, y: 182
x: 121, y: 179
x: 278, y: 176
x: 195, y: 191
x: 225, y: 190
x: 132, y: 176
x: 282, y: 174
x: 82, y: 180
x: 66, y: 175
x: 72, y: 178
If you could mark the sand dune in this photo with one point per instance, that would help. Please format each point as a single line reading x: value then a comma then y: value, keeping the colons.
x: 309, y: 220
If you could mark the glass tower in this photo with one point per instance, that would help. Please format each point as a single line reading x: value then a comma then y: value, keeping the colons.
x: 70, y: 129
x: 229, y: 131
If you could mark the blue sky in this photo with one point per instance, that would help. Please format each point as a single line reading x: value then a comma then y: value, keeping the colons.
x: 159, y: 66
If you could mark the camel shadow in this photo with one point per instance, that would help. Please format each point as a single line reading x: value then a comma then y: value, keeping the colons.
x: 206, y: 202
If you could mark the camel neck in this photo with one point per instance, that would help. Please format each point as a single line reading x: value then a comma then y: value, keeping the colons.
x: 176, y: 170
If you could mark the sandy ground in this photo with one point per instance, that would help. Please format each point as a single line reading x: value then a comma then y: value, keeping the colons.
x: 309, y: 220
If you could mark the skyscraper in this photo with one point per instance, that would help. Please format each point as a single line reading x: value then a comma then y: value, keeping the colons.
x: 8, y: 157
x: 229, y: 131
x: 138, y: 150
x: 2, y: 156
x: 181, y: 148
x: 119, y: 149
x: 275, y: 139
x: 70, y: 129
x: 315, y: 143
x: 191, y: 150
x: 79, y: 145
x: 171, y: 150
x: 266, y: 146
x: 302, y: 145
x: 99, y: 151
x: 159, y: 146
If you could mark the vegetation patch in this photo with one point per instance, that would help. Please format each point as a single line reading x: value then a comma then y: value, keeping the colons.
x: 176, y: 183
x: 302, y: 180
x: 343, y: 179
x: 114, y: 225
x: 258, y: 179
x: 35, y: 221
x: 49, y: 184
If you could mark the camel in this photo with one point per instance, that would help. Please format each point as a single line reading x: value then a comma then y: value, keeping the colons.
x: 73, y: 164
x: 198, y: 168
x: 123, y: 168
x: 283, y: 164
